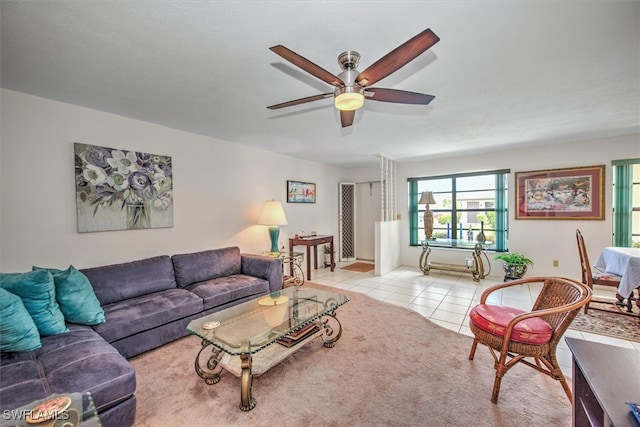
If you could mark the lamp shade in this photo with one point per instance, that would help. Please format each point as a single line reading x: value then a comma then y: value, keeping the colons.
x: 272, y: 214
x: 426, y: 198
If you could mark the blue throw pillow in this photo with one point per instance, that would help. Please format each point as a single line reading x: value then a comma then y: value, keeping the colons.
x: 17, y: 330
x: 38, y: 294
x: 75, y: 295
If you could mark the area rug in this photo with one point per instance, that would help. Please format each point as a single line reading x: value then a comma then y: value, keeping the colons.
x: 608, y: 321
x: 391, y: 367
x: 361, y: 267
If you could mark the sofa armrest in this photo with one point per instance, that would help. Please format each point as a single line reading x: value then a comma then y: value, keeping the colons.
x: 264, y: 267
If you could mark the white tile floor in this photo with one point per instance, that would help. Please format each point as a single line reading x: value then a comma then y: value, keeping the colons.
x: 446, y: 298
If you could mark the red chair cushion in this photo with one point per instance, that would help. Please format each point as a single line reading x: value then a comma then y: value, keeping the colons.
x: 600, y: 276
x: 494, y: 319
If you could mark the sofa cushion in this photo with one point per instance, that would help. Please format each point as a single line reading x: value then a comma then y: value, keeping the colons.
x: 77, y: 361
x: 220, y: 291
x: 129, y: 317
x: 77, y: 300
x: 17, y: 330
x: 22, y: 380
x: 38, y: 294
x: 494, y: 319
x: 118, y: 282
x: 200, y: 266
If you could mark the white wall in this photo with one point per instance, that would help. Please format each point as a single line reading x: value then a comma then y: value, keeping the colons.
x: 387, y: 246
x: 219, y: 188
x: 541, y: 240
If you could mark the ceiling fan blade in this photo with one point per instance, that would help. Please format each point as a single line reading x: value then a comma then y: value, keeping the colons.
x: 398, y: 96
x: 346, y: 117
x: 397, y: 58
x: 301, y: 101
x: 307, y: 65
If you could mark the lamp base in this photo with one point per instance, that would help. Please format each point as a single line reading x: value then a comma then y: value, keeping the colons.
x: 274, y: 232
x: 428, y: 224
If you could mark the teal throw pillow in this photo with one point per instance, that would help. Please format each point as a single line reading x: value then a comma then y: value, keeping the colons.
x: 75, y: 295
x: 38, y: 294
x: 17, y: 330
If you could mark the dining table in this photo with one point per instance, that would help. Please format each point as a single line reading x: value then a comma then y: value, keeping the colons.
x: 623, y: 262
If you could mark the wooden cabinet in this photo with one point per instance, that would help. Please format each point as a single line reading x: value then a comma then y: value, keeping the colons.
x: 605, y: 377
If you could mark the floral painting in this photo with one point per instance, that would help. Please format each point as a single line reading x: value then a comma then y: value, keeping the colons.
x: 122, y: 190
x: 571, y: 193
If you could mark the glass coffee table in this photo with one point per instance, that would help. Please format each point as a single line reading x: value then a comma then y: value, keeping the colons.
x: 250, y: 338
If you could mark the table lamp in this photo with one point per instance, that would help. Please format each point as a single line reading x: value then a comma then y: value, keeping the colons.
x: 426, y: 198
x: 273, y: 215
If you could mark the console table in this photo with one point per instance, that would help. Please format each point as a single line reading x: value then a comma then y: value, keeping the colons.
x: 473, y: 266
x: 605, y: 377
x: 309, y: 242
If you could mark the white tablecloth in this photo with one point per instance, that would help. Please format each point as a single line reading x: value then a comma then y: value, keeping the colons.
x: 624, y: 262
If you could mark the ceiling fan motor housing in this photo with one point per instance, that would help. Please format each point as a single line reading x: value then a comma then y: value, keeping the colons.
x: 349, y: 60
x: 351, y: 95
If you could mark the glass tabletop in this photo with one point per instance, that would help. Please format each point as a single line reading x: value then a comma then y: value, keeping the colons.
x: 457, y: 243
x: 254, y: 325
x: 284, y: 254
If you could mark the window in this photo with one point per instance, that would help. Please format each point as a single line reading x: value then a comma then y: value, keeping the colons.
x: 626, y: 203
x: 465, y: 205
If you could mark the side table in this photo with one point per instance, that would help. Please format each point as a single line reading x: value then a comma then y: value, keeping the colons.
x: 56, y: 410
x: 604, y: 378
x: 309, y: 242
x: 294, y: 260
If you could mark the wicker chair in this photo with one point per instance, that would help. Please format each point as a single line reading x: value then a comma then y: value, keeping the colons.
x: 513, y: 335
x: 594, y: 276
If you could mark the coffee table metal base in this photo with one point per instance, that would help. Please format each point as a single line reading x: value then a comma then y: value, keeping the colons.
x: 330, y: 330
x: 247, y: 402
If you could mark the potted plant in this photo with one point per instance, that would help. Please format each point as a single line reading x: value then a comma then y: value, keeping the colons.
x: 327, y: 254
x: 515, y: 265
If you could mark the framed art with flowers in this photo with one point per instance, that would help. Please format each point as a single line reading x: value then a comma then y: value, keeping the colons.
x: 570, y: 193
x: 122, y: 190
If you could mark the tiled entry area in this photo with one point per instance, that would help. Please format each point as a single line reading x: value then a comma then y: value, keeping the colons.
x: 446, y: 298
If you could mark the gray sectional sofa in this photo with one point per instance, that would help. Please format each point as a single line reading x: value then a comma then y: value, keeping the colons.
x: 147, y: 303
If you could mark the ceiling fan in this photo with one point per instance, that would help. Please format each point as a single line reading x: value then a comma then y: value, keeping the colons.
x: 352, y: 86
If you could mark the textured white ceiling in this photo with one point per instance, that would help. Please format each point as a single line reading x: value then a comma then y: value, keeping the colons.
x: 504, y: 73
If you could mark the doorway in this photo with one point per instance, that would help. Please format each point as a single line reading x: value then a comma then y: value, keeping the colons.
x: 347, y: 221
x: 368, y: 205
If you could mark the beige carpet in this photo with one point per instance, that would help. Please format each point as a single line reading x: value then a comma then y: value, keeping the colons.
x: 361, y: 267
x: 392, y: 367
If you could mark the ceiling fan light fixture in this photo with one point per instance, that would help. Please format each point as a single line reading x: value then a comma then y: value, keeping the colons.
x: 349, y: 98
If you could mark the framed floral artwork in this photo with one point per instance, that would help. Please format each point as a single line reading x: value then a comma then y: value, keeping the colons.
x: 301, y: 192
x: 570, y: 193
x: 119, y: 189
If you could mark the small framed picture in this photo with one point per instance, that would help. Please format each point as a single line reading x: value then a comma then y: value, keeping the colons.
x: 301, y: 192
